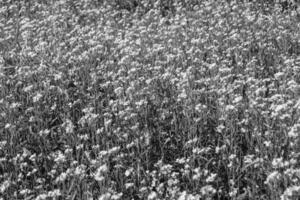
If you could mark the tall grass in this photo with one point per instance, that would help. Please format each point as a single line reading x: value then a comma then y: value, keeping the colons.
x: 149, y: 100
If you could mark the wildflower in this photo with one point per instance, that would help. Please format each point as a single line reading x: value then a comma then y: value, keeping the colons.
x: 99, y: 176
x: 69, y: 126
x: 273, y: 178
x: 106, y: 196
x: 4, y: 186
x: 37, y: 97
x: 129, y: 185
x: 119, y: 91
x: 113, y: 150
x: 128, y: 172
x: 277, y: 163
x: 166, y: 169
x: 200, y: 107
x: 7, y: 126
x: 182, y: 95
x: 208, y: 190
x: 233, y: 192
x: 28, y: 88
x: 107, y: 123
x: 116, y: 196
x: 60, y: 158
x: 41, y: 197
x: 292, y: 192
x: 220, y: 149
x: 61, y: 178
x: 54, y: 193
x: 238, y: 99
x: 80, y: 170
x: 15, y: 105
x: 294, y: 132
x: 197, y: 174
x: 152, y: 196
x: 211, y: 178
x: 183, y: 196
x: 2, y: 144
x: 230, y: 108
x: 267, y: 143
x: 248, y: 159
x: 181, y: 160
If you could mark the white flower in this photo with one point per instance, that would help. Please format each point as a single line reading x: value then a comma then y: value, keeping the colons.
x: 106, y: 196
x: 292, y: 192
x: 119, y: 91
x: 220, y: 128
x: 69, y: 126
x: 238, y: 99
x: 24, y: 192
x: 128, y: 172
x: 54, y: 193
x: 42, y: 197
x: 99, y: 176
x: 37, y: 97
x: 28, y: 88
x: 232, y: 157
x: 61, y: 178
x: 183, y: 196
x: 4, y: 186
x: 211, y: 178
x: 273, y: 178
x: 233, y: 192
x: 7, y: 126
x: 129, y: 185
x: 294, y: 132
x: 208, y: 190
x: 230, y: 108
x: 152, y: 196
x: 278, y: 75
x: 116, y: 196
x: 113, y: 150
x: 277, y: 162
x: 15, y: 105
x: 60, y: 158
x: 197, y: 174
x: 80, y: 170
x: 267, y: 143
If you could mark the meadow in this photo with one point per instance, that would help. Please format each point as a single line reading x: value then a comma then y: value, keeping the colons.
x: 150, y: 99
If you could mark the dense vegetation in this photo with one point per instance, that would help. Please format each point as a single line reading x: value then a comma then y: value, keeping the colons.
x: 149, y: 99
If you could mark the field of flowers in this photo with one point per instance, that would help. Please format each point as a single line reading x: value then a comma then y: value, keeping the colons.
x: 152, y: 99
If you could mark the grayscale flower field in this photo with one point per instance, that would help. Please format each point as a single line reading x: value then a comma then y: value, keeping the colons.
x: 149, y: 99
